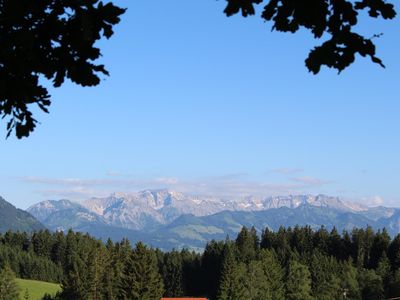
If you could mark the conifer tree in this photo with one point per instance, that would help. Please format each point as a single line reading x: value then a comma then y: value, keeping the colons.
x: 321, y: 240
x: 8, y: 286
x: 142, y: 280
x: 267, y: 239
x: 368, y: 242
x: 172, y: 274
x: 120, y: 257
x: 383, y: 270
x: 191, y: 273
x: 112, y: 276
x: 58, y: 249
x: 211, y: 262
x: 347, y: 244
x: 96, y: 268
x: 282, y: 245
x: 358, y: 248
x: 301, y: 240
x: 336, y: 247
x: 349, y: 283
x: 257, y: 283
x: 379, y: 247
x: 232, y: 284
x: 394, y: 286
x: 394, y: 253
x: 324, y: 275
x: 274, y: 274
x: 371, y: 285
x: 247, y: 243
x: 298, y: 286
x: 74, y: 283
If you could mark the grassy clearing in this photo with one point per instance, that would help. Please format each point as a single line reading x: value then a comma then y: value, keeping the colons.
x: 37, y: 289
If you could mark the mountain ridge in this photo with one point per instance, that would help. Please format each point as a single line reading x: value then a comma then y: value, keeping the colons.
x: 15, y: 219
x: 169, y: 220
x: 146, y: 208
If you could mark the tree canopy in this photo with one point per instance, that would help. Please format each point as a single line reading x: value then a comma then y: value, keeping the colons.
x: 55, y: 40
x: 91, y: 269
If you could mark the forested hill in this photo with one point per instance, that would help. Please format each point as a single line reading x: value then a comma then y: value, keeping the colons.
x: 289, y: 264
x: 12, y: 218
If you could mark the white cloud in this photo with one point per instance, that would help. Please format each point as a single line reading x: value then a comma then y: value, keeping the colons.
x: 288, y: 171
x: 72, y: 193
x: 167, y: 180
x: 376, y: 201
x: 310, y: 181
x: 225, y: 186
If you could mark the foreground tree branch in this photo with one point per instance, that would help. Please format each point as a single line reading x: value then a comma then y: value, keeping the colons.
x: 334, y: 19
x: 48, y: 38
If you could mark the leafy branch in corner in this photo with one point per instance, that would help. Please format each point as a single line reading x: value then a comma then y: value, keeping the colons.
x: 52, y: 39
x: 335, y: 18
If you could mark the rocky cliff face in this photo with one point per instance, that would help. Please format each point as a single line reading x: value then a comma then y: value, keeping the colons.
x: 136, y: 211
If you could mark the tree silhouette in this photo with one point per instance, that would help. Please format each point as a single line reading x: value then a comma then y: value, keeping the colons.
x: 333, y: 18
x: 52, y: 39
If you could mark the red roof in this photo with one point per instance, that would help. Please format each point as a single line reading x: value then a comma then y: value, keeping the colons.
x: 184, y: 299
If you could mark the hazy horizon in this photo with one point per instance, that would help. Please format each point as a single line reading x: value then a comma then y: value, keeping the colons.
x: 220, y: 105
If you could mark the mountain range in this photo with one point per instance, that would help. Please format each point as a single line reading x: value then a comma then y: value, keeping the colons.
x: 168, y: 219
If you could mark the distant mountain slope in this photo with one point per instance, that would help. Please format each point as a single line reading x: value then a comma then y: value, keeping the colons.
x: 392, y: 224
x: 65, y: 214
x: 15, y: 219
x: 193, y: 231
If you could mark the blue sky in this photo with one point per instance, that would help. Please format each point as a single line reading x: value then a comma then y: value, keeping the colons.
x: 205, y: 104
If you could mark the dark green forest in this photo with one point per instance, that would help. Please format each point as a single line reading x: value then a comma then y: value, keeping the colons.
x: 291, y: 263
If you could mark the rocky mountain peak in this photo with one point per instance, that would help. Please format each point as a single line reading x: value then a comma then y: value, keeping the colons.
x: 162, y: 206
